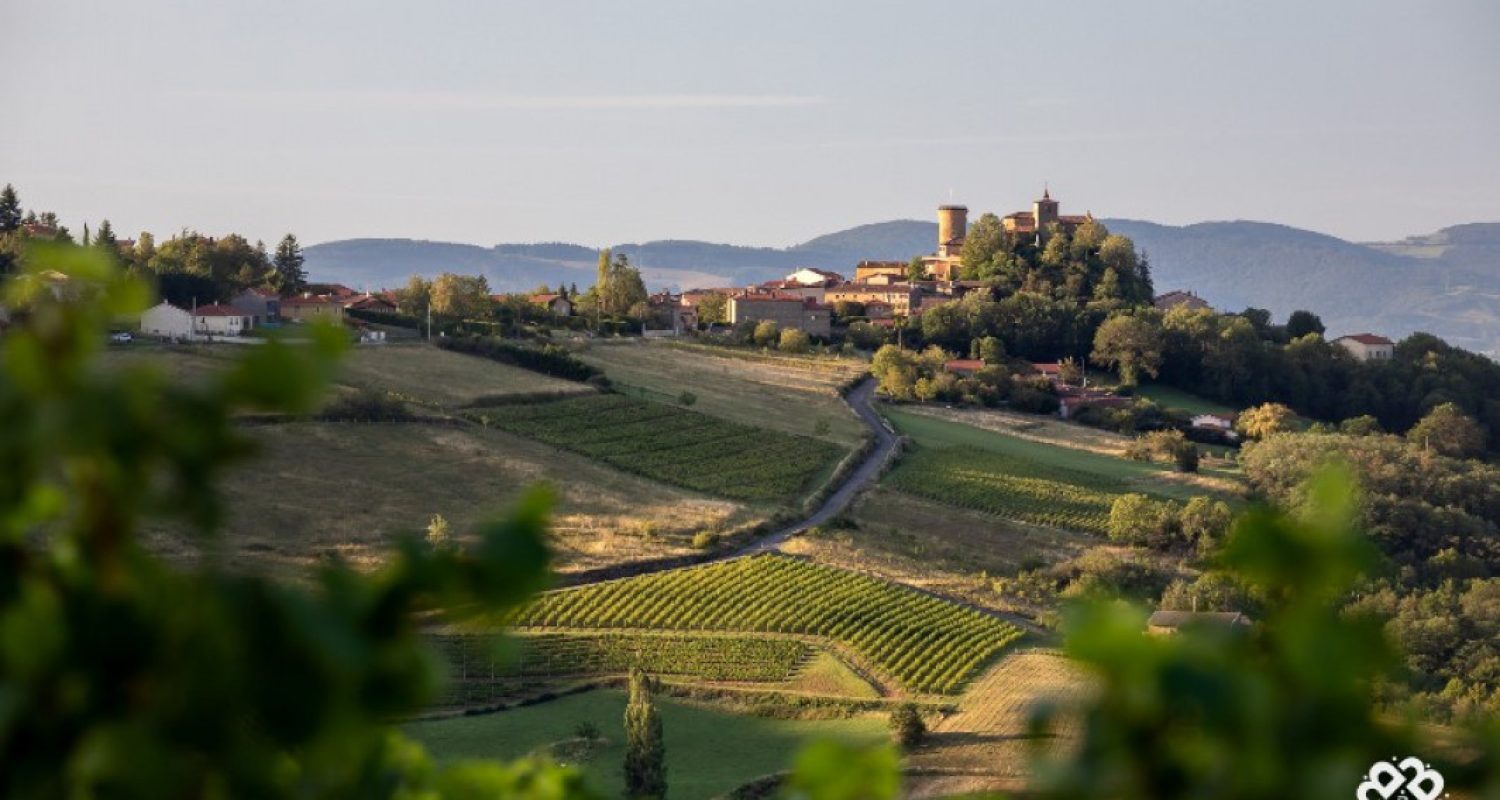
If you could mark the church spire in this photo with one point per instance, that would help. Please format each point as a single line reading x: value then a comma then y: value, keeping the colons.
x: 1046, y: 191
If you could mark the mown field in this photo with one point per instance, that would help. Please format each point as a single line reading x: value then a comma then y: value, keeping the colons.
x: 790, y: 394
x: 674, y: 445
x: 709, y: 752
x: 927, y: 644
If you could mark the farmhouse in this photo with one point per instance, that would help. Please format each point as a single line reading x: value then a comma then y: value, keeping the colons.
x: 901, y: 297
x: 310, y: 307
x: 1179, y: 298
x: 1367, y: 346
x: 220, y: 320
x: 261, y: 305
x: 865, y: 270
x: 556, y: 304
x: 370, y: 302
x: 167, y: 321
x: 786, y: 310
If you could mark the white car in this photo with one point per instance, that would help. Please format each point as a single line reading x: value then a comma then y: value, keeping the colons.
x: 121, y: 337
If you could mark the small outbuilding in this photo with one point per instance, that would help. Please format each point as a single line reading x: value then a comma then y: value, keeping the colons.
x: 1170, y: 622
x: 166, y: 321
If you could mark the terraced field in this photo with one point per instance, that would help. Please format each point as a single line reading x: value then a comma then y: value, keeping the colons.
x: 1009, y: 487
x: 706, y: 656
x: 925, y: 643
x: 673, y: 445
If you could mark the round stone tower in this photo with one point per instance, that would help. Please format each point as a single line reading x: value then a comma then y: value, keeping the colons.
x: 953, y: 225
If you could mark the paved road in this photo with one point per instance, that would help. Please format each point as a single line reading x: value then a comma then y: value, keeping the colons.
x: 858, y: 399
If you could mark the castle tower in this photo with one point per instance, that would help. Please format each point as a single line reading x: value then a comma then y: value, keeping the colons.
x: 953, y: 225
x: 1044, y: 212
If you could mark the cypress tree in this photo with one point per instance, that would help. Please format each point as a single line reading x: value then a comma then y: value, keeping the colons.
x: 645, y: 753
x: 10, y: 209
x: 289, y: 276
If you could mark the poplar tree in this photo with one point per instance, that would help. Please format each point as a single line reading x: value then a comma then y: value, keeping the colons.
x: 645, y: 753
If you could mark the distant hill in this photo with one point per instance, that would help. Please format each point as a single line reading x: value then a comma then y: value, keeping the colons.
x: 1446, y: 283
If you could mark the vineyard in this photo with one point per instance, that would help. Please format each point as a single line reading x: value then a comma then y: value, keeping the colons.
x: 672, y: 444
x: 708, y: 657
x: 1010, y: 487
x: 928, y: 644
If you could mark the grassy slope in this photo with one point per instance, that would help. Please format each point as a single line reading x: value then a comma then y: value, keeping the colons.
x: 708, y: 752
x: 441, y: 377
x: 1170, y: 397
x: 1141, y: 476
x: 785, y: 394
x: 346, y: 488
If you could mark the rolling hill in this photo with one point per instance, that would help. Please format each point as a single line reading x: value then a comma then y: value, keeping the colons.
x: 1447, y: 282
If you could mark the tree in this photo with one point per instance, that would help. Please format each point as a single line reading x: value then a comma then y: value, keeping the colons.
x: 1449, y: 431
x: 1204, y: 522
x: 460, y: 296
x: 414, y: 298
x: 991, y: 351
x: 1264, y: 420
x: 288, y: 276
x: 896, y: 370
x: 10, y: 209
x: 713, y: 309
x: 437, y: 531
x: 623, y: 287
x: 906, y: 725
x: 106, y: 240
x: 645, y: 752
x: 984, y: 239
x: 1137, y: 519
x: 601, y: 278
x: 1185, y: 457
x: 766, y: 332
x: 1070, y: 372
x: 793, y: 341
x: 1131, y: 345
x: 1362, y: 425
x: 1301, y: 323
x: 915, y: 269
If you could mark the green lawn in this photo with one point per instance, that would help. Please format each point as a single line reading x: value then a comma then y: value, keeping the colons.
x: 1116, y: 473
x: 1169, y: 397
x: 708, y: 752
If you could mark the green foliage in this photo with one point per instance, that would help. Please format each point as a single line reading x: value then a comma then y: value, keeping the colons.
x: 907, y: 728
x: 687, y: 398
x: 766, y: 333
x: 713, y: 308
x: 1137, y: 519
x: 673, y: 445
x: 288, y: 277
x: 1264, y: 420
x: 553, y: 361
x: 832, y: 771
x: 125, y: 676
x: 1362, y: 425
x: 366, y: 405
x: 1449, y: 431
x: 707, y: 657
x: 1008, y: 486
x: 1132, y: 345
x: 794, y: 341
x: 1302, y: 323
x: 645, y: 753
x: 928, y: 644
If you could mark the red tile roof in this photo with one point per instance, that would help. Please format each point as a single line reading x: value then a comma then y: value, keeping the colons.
x: 963, y: 365
x: 217, y: 310
x: 315, y: 300
x: 543, y: 299
x: 1367, y: 338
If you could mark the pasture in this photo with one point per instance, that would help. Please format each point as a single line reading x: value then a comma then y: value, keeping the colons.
x: 926, y: 644
x: 709, y: 752
x: 673, y: 445
x: 790, y: 394
x: 346, y: 489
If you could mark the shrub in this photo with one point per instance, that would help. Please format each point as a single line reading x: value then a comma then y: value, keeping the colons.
x: 366, y: 405
x: 793, y: 341
x: 907, y: 728
x: 705, y: 540
x: 1186, y: 457
x: 766, y: 333
x: 551, y: 360
x: 687, y: 398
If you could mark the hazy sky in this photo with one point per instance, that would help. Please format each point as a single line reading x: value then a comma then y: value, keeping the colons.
x: 750, y: 122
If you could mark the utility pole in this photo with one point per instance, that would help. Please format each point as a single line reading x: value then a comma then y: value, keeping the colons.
x: 429, y: 320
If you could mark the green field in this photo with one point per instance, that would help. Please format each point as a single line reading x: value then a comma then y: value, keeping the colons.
x: 1029, y: 458
x: 708, y: 752
x: 1169, y: 397
x: 925, y: 643
x: 709, y: 657
x: 674, y: 445
x: 1011, y: 487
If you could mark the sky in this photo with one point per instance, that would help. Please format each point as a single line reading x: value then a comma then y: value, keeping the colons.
x: 761, y: 123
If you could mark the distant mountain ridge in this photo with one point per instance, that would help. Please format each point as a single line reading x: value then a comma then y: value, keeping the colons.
x: 1446, y: 282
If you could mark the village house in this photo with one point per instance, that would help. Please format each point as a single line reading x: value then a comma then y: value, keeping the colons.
x: 878, y: 309
x: 261, y: 305
x: 1223, y: 423
x: 787, y: 311
x: 1368, y: 346
x: 963, y: 366
x: 812, y: 276
x: 370, y: 302
x: 166, y: 321
x: 309, y: 307
x: 558, y: 305
x: 1179, y: 298
x: 901, y: 297
x: 865, y: 270
x: 788, y: 286
x: 220, y: 320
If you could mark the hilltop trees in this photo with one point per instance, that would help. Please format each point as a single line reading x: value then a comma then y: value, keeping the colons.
x: 460, y: 296
x: 1264, y: 420
x: 1448, y: 430
x: 1301, y: 323
x: 645, y: 752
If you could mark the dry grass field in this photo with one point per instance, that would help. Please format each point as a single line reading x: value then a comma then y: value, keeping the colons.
x: 791, y: 394
x: 324, y: 488
x: 986, y: 745
x: 441, y: 377
x: 937, y: 547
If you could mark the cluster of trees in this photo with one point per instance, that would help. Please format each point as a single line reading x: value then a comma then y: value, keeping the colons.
x: 1087, y: 265
x: 1199, y: 524
x: 1436, y: 521
x: 185, y: 268
x: 910, y: 375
